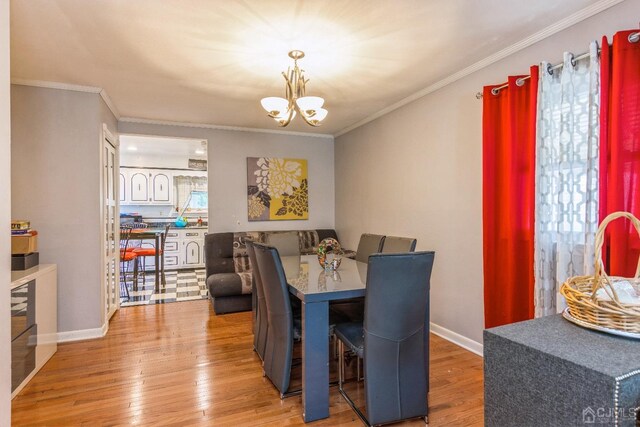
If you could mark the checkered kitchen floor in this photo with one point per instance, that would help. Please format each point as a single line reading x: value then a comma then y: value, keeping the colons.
x: 182, y: 285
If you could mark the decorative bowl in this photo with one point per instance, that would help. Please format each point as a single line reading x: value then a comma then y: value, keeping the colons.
x: 329, y: 254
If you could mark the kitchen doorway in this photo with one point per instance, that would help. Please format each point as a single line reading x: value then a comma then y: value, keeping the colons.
x: 164, y: 203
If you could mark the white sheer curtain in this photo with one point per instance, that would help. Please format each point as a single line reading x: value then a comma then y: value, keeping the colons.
x: 566, y: 176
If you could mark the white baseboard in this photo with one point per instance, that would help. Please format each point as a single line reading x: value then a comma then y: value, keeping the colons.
x: 83, y: 334
x: 457, y: 339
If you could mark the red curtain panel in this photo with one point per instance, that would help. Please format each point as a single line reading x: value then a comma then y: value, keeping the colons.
x: 620, y: 149
x: 508, y: 139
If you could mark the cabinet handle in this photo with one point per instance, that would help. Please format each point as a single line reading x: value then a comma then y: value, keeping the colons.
x: 160, y: 187
x: 192, y: 254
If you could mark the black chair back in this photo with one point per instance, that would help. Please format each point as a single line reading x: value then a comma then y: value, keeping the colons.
x: 394, y: 244
x: 369, y: 244
x: 261, y: 322
x: 279, y: 344
x: 395, y: 352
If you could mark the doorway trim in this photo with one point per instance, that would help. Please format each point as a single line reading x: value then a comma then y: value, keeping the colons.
x: 108, y: 139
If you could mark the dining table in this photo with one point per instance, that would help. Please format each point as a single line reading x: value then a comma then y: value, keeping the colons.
x: 316, y: 287
x: 154, y: 234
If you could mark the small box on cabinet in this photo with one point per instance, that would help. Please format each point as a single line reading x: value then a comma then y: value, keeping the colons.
x: 24, y: 261
x: 22, y: 245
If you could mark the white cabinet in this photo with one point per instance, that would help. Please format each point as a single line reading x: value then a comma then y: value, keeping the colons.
x: 161, y: 185
x: 139, y: 185
x: 191, y: 253
x: 184, y: 248
x: 193, y: 247
x: 146, y: 187
x: 123, y: 187
x: 172, y: 249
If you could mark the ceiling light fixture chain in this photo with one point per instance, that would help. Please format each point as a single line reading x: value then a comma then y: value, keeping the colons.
x: 284, y: 110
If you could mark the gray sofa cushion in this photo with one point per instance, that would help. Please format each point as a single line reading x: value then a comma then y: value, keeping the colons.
x: 286, y: 242
x: 224, y: 284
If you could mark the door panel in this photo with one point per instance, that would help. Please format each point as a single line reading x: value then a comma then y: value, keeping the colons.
x: 161, y: 188
x: 123, y: 188
x: 139, y: 187
x: 192, y: 253
x: 110, y: 186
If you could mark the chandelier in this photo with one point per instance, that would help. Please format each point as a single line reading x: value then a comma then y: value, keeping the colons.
x: 284, y: 110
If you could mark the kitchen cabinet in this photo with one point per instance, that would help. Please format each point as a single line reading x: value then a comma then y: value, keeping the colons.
x: 123, y: 188
x: 146, y: 187
x: 191, y: 253
x: 161, y: 188
x: 184, y: 248
x: 139, y: 185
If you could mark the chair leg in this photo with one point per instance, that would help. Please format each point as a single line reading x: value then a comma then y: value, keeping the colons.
x: 341, y: 389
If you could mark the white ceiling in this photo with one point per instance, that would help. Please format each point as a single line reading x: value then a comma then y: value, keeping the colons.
x: 211, y: 62
x: 156, y: 146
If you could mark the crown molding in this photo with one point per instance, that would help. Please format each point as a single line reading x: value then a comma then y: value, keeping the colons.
x: 110, y: 105
x: 72, y: 87
x: 221, y: 127
x: 107, y: 100
x: 552, y: 29
x: 55, y: 85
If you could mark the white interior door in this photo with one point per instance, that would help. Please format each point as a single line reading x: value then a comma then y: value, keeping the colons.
x: 111, y: 224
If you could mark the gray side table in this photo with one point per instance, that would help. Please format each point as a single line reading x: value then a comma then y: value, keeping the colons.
x: 549, y: 372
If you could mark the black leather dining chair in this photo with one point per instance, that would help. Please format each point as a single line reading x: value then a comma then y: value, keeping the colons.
x: 369, y: 244
x: 391, y: 341
x: 394, y: 244
x: 278, y: 351
x: 261, y: 325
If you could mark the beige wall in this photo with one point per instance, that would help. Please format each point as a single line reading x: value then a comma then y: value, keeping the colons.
x: 228, y: 151
x: 56, y: 137
x: 417, y: 172
x: 5, y: 218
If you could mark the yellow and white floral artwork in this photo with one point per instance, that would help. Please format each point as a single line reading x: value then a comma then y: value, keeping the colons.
x: 277, y: 189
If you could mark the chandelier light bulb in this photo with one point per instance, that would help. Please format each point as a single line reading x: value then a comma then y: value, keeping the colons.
x: 320, y: 115
x: 275, y: 105
x: 309, y: 103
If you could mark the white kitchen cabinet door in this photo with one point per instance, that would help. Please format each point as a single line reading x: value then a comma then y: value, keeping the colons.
x: 139, y: 187
x: 161, y: 188
x: 192, y: 250
x: 124, y: 190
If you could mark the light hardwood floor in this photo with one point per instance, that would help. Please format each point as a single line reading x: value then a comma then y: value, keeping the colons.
x: 179, y: 364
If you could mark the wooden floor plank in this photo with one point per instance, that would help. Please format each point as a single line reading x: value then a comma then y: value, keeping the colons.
x: 181, y: 365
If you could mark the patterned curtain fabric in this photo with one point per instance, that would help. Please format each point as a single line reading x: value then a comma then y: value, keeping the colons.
x: 620, y: 149
x: 508, y: 157
x: 183, y: 185
x: 567, y: 163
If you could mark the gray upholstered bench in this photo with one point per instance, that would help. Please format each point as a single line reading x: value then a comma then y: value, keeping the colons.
x: 228, y: 270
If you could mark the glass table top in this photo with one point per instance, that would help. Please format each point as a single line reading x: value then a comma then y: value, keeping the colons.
x: 310, y: 282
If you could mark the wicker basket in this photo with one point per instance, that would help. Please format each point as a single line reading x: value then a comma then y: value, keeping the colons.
x: 580, y: 291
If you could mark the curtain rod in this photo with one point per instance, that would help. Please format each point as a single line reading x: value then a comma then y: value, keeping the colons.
x: 633, y: 38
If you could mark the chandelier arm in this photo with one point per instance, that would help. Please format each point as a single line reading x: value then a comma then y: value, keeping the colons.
x: 313, y: 123
x: 286, y: 122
